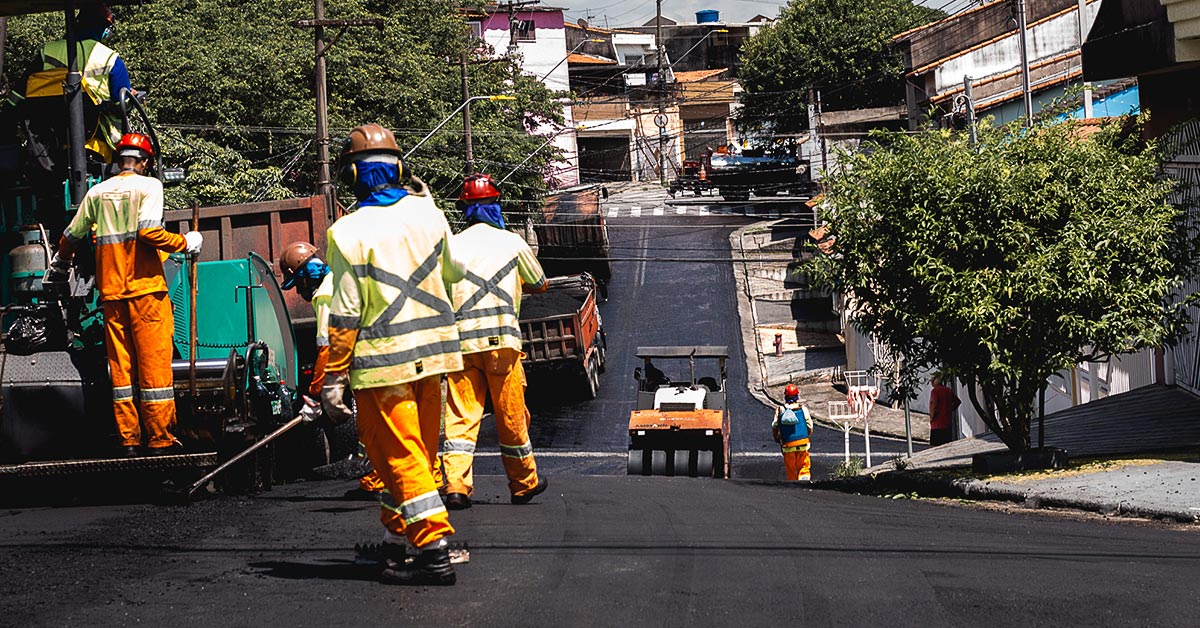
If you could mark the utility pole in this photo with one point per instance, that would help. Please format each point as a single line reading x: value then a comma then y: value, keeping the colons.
x: 469, y: 159
x: 662, y: 92
x: 1087, y: 85
x: 321, y: 48
x: 1023, y: 44
x: 970, y: 110
x: 821, y: 133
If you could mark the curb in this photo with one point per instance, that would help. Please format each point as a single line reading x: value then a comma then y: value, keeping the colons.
x: 980, y: 490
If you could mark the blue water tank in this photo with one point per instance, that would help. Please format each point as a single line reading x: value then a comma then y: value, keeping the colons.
x: 708, y: 16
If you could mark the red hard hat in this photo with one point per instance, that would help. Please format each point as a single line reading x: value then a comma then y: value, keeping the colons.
x: 136, y: 144
x: 478, y: 186
x: 791, y: 392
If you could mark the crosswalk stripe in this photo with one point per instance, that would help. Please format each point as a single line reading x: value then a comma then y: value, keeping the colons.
x: 612, y: 211
x: 680, y: 210
x: 636, y: 212
x: 703, y: 210
x: 658, y: 211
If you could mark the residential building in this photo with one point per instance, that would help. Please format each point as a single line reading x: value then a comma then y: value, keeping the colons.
x: 536, y: 35
x: 982, y: 45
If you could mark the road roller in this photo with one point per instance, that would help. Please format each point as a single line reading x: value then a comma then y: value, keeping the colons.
x: 680, y: 426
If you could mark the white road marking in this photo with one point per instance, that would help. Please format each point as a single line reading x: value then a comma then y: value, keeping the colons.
x: 658, y: 211
x: 612, y: 211
x: 680, y: 209
x: 702, y: 210
x: 551, y: 453
x: 635, y: 211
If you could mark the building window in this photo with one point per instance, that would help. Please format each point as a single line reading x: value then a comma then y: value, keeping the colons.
x: 476, y: 29
x: 525, y: 30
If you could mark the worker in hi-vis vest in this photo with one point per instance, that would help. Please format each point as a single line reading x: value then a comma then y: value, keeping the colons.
x: 391, y: 337
x: 124, y: 215
x: 499, y: 264
x: 305, y: 271
x: 103, y: 70
x: 791, y: 429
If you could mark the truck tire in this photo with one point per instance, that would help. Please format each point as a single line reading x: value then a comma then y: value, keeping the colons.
x: 591, y: 376
x: 602, y: 349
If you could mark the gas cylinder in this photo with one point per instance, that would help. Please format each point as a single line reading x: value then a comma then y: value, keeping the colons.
x: 28, y: 262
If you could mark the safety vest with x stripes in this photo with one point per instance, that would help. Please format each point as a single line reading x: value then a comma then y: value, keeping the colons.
x: 390, y: 318
x: 487, y: 302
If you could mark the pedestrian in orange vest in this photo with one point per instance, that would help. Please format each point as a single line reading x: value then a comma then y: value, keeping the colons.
x: 791, y: 428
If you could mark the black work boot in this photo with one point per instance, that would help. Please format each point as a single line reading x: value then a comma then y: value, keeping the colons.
x: 541, y: 487
x: 457, y: 501
x: 429, y: 568
x: 129, y: 451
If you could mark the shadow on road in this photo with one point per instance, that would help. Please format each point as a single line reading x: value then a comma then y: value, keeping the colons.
x: 328, y: 570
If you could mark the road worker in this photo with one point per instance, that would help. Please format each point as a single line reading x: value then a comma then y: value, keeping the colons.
x: 104, y: 74
x: 126, y: 212
x: 498, y: 264
x: 791, y: 428
x: 304, y: 271
x: 391, y: 337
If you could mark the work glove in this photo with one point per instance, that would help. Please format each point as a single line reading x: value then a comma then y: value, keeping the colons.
x: 333, y: 398
x: 311, y: 410
x: 58, y: 272
x: 194, y: 242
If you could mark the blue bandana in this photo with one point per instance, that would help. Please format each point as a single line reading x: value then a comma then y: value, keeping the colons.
x: 484, y: 212
x: 373, y: 174
x: 313, y: 269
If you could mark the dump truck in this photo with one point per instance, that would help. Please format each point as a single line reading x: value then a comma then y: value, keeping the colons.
x: 561, y: 332
x: 680, y: 426
x: 572, y: 237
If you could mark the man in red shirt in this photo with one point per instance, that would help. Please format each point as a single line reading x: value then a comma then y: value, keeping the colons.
x: 942, y: 404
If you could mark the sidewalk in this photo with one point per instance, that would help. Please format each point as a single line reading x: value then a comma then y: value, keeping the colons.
x: 773, y: 298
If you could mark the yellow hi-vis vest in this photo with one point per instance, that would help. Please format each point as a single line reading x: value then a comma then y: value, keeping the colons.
x: 98, y: 61
x: 322, y: 298
x: 391, y: 269
x: 487, y: 302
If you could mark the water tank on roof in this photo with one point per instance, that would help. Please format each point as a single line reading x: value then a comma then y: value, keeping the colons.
x: 707, y: 16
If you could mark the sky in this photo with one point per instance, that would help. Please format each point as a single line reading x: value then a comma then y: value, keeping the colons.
x: 617, y: 13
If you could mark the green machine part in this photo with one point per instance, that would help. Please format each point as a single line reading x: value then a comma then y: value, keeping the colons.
x: 238, y: 303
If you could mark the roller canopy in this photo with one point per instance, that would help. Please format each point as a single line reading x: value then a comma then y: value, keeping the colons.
x: 683, y: 352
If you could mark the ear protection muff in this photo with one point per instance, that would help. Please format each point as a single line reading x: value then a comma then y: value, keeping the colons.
x: 348, y: 173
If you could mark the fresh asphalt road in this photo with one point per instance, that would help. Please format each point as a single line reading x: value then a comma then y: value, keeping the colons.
x: 664, y: 302
x: 597, y: 551
x: 604, y: 550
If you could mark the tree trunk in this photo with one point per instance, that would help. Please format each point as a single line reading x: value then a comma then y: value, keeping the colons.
x: 1013, y: 431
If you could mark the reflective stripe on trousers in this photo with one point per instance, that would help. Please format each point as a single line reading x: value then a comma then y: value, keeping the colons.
x: 399, y: 427
x: 499, y: 373
x: 138, y: 334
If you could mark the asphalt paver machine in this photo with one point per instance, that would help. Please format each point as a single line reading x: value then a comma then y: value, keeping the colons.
x: 238, y: 390
x: 680, y: 426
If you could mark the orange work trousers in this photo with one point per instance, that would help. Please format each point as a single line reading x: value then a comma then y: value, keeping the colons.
x: 139, y: 332
x: 500, y: 373
x: 796, y: 460
x: 399, y: 426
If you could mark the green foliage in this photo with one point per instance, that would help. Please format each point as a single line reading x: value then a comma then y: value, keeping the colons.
x: 234, y: 80
x: 840, y: 46
x: 1007, y: 262
x: 849, y: 469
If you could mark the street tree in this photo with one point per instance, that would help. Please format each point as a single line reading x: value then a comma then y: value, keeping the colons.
x: 230, y: 87
x: 1009, y: 261
x: 841, y: 47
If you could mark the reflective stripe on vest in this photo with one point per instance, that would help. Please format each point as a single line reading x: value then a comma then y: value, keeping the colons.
x: 98, y: 61
x: 487, y: 320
